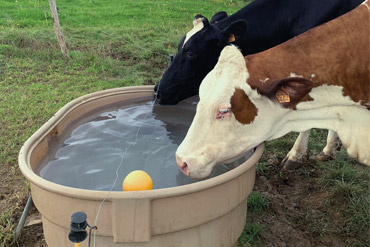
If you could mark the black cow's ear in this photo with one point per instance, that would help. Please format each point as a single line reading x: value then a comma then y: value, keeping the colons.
x: 218, y: 17
x: 287, y: 92
x: 235, y: 31
x: 205, y: 23
x: 198, y: 18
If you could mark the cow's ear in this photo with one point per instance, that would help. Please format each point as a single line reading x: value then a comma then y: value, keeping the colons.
x: 206, y: 24
x: 200, y: 18
x: 218, y: 17
x: 287, y: 92
x: 235, y: 31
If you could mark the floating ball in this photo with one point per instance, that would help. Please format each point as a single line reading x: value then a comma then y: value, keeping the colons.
x: 137, y: 180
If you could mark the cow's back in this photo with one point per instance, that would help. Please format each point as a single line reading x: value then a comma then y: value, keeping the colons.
x: 272, y: 22
x: 335, y: 53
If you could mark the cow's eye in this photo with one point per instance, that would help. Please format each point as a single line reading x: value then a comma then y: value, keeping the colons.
x: 223, y: 112
x: 188, y: 54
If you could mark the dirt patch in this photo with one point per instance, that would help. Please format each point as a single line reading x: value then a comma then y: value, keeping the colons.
x: 32, y: 235
x: 299, y: 214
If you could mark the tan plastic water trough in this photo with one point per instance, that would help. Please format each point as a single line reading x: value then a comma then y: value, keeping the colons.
x: 209, y: 213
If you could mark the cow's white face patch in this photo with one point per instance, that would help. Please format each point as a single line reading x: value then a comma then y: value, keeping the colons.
x: 198, y: 25
x: 212, y: 139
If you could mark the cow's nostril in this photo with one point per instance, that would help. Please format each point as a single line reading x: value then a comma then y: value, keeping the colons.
x: 182, y: 166
x: 158, y: 98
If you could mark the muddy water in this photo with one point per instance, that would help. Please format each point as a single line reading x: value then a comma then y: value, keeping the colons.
x: 140, y: 135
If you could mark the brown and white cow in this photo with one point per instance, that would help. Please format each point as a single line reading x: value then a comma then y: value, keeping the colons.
x: 319, y: 79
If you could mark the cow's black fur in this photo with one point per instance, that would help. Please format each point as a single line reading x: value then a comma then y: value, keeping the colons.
x: 258, y: 26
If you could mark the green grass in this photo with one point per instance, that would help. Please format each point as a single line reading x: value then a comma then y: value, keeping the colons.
x: 115, y: 13
x: 261, y: 168
x: 349, y: 188
x: 252, y: 232
x: 257, y: 202
x: 7, y: 228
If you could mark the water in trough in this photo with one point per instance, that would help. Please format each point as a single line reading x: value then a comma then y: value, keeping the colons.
x: 137, y: 133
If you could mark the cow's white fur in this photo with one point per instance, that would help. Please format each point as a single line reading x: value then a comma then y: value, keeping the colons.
x: 292, y: 74
x: 212, y: 141
x: 265, y: 80
x: 331, y: 144
x: 366, y: 3
x: 198, y: 25
x: 300, y: 147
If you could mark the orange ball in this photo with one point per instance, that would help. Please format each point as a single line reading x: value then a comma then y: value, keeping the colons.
x: 137, y: 180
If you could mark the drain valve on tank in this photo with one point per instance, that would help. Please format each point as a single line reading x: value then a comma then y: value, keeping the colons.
x: 78, y: 228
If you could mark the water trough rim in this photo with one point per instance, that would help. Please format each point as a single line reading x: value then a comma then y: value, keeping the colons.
x: 24, y: 158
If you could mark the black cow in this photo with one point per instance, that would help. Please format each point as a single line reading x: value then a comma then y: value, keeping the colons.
x: 256, y: 27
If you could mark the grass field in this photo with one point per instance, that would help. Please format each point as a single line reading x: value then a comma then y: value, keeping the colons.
x: 120, y: 43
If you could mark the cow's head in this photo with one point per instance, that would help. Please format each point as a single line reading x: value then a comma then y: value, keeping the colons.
x: 232, y: 117
x: 197, y: 54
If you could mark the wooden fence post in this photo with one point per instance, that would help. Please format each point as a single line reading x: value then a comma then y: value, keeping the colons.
x: 58, y: 31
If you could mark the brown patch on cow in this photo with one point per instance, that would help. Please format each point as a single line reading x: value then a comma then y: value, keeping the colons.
x: 337, y: 53
x: 242, y: 107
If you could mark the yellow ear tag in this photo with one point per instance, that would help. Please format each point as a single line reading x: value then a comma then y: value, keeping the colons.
x: 282, y: 95
x: 231, y: 38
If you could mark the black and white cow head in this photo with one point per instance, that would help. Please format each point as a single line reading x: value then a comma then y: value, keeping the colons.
x: 197, y: 54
